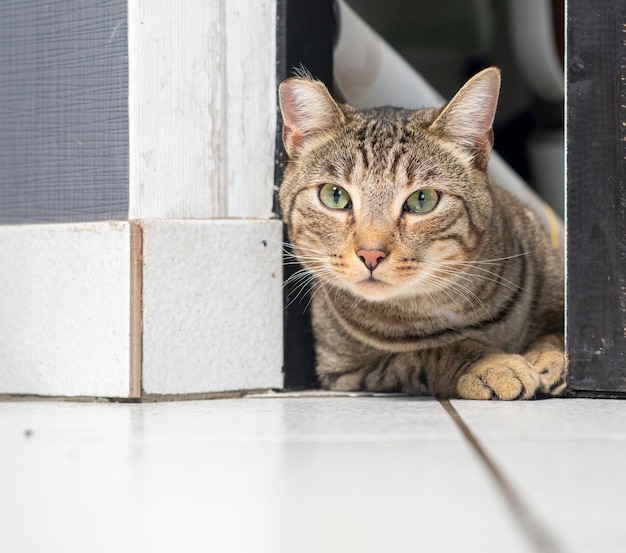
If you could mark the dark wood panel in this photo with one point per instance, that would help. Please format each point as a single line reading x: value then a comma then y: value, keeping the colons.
x: 305, y: 39
x: 63, y: 110
x: 596, y: 195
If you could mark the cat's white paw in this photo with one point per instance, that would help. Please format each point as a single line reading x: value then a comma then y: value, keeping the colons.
x: 499, y: 376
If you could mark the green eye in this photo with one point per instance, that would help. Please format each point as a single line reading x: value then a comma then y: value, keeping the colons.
x: 422, y: 201
x: 334, y: 196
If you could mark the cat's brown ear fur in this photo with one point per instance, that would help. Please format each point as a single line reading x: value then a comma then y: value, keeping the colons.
x: 468, y: 118
x: 308, y: 111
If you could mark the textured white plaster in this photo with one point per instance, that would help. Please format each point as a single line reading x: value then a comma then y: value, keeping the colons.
x: 212, y: 298
x: 64, y: 309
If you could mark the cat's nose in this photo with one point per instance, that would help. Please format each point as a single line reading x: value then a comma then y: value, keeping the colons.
x: 371, y: 258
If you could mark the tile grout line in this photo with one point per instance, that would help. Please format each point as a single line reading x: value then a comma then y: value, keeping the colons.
x: 541, y: 538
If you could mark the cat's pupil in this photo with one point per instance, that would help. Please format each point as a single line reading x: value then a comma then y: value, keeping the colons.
x: 336, y: 194
x: 421, y: 198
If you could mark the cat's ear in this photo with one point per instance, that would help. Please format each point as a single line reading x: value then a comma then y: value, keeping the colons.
x: 468, y: 118
x: 308, y: 111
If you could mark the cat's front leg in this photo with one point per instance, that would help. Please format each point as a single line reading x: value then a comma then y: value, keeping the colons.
x: 468, y: 369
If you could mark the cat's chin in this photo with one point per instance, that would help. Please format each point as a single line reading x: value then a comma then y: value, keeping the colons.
x: 374, y: 290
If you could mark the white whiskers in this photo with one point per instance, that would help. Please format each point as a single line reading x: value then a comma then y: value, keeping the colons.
x: 462, y: 274
x: 310, y: 280
x: 455, y: 283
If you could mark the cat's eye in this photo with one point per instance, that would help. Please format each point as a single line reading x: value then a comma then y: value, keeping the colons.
x: 422, y: 201
x: 334, y: 196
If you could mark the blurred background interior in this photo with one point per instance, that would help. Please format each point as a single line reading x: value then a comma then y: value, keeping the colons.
x: 447, y: 41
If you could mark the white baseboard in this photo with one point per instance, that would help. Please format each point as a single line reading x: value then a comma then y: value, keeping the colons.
x: 64, y: 301
x: 212, y: 305
x: 150, y: 307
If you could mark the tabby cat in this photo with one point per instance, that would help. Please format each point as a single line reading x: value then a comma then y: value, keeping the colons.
x: 427, y: 278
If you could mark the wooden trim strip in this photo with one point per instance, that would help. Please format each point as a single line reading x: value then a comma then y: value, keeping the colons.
x: 136, y: 309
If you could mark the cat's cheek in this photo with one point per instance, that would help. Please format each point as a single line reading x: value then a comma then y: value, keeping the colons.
x: 445, y: 250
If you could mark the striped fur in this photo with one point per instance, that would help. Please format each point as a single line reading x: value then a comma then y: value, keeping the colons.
x: 468, y: 299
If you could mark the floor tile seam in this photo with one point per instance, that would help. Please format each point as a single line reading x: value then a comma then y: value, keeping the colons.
x: 540, y: 537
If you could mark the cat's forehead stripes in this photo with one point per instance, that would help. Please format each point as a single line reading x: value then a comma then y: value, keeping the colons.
x: 383, y: 126
x: 380, y: 144
x: 341, y: 167
x: 382, y: 154
x: 388, y: 144
x: 381, y: 158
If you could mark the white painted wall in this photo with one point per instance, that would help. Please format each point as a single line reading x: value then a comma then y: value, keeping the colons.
x: 202, y: 95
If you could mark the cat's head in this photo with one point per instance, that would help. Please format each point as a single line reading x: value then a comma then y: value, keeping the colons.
x: 380, y: 202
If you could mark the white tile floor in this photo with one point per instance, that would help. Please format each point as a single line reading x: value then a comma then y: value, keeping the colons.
x: 313, y: 474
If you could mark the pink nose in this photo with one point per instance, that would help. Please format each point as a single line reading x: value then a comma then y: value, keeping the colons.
x: 371, y: 258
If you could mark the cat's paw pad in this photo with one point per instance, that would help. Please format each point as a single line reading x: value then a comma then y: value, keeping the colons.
x: 551, y: 367
x: 499, y: 376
